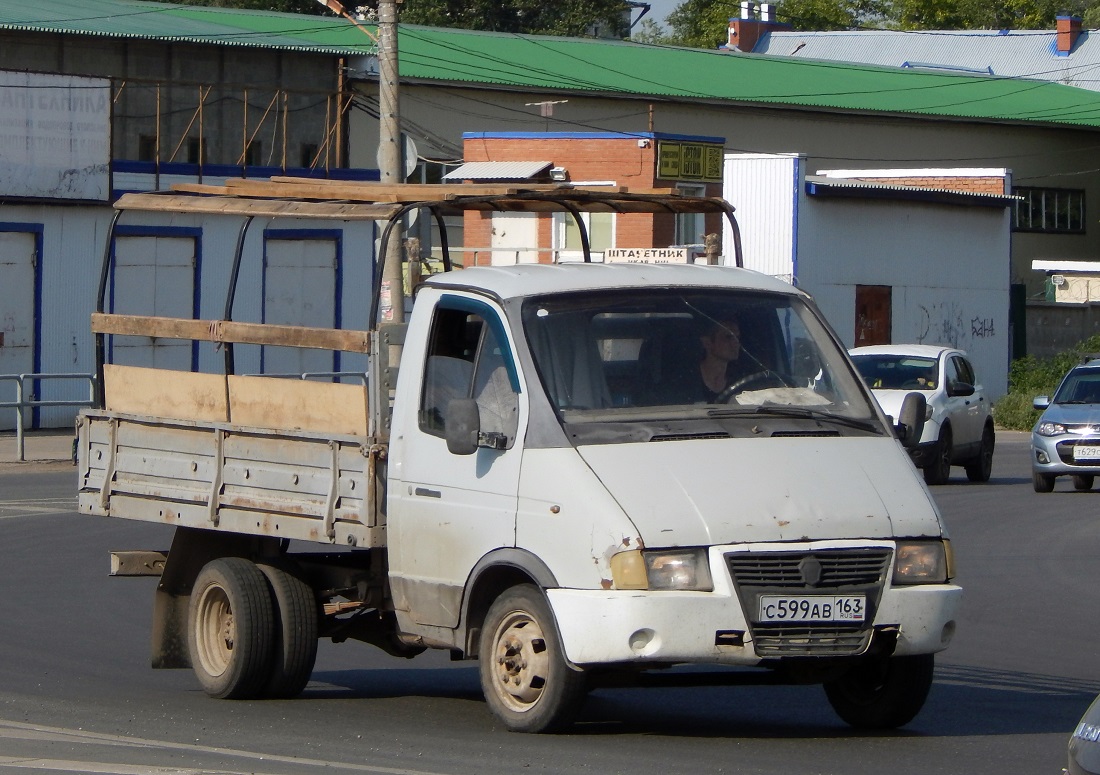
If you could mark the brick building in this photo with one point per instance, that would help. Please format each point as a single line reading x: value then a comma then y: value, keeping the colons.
x: 635, y: 161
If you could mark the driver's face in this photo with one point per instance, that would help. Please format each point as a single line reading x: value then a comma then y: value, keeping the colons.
x: 724, y: 342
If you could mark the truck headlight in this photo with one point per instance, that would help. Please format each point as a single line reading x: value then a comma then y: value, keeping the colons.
x: 923, y: 562
x: 680, y: 569
x: 1050, y: 429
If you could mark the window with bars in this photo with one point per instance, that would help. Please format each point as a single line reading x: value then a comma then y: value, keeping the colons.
x: 1052, y: 210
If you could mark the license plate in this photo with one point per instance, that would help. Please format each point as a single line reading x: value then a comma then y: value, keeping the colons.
x: 812, y: 608
x: 1086, y: 452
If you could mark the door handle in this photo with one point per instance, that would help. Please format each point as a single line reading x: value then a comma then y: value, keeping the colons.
x: 424, y: 492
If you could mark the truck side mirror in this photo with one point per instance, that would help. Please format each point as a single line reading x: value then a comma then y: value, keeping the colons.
x: 463, y: 423
x: 911, y: 420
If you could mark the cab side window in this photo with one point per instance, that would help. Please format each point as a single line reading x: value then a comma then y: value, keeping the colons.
x: 467, y: 359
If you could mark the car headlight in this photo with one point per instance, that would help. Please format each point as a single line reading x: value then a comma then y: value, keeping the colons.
x: 923, y: 562
x: 1050, y: 429
x: 681, y: 569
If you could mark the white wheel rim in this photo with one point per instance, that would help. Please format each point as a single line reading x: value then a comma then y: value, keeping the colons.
x: 521, y: 662
x: 215, y: 631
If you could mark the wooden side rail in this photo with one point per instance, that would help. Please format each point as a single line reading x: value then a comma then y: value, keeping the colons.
x: 229, y: 331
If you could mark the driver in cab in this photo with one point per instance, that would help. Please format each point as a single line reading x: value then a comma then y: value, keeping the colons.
x: 720, y: 365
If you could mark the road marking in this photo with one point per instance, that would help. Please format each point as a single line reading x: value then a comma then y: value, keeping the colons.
x: 63, y: 765
x: 16, y: 509
x: 60, y: 734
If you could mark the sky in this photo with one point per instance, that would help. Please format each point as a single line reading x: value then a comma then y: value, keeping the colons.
x: 659, y: 9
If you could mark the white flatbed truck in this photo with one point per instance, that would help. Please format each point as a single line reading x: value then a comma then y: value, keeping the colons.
x: 532, y: 488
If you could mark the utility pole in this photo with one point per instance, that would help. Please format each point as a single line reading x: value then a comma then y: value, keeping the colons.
x: 390, y: 164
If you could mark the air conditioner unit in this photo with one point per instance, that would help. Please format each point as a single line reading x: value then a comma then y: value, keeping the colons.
x: 1057, y: 280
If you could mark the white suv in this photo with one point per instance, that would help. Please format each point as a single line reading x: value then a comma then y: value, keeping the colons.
x: 958, y: 429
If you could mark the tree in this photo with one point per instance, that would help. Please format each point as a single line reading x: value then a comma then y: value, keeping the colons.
x: 536, y: 17
x: 702, y: 23
x: 705, y: 23
x: 984, y: 14
x: 651, y: 32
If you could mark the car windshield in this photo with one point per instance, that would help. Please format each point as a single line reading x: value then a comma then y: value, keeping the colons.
x: 636, y: 356
x: 1081, y: 386
x: 897, y: 372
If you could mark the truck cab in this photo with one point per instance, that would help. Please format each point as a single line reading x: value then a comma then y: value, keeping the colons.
x: 779, y: 521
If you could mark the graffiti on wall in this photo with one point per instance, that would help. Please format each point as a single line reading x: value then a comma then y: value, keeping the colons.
x: 948, y: 323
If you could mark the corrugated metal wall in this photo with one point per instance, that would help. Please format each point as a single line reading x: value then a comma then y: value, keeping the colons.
x: 763, y: 188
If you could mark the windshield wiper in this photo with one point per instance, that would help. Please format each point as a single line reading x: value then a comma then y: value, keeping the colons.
x: 799, y: 412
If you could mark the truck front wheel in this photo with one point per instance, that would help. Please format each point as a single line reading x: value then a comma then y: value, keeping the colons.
x: 882, y: 692
x: 524, y: 676
x: 231, y: 626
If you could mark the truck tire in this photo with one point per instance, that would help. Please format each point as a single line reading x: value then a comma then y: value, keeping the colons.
x: 230, y: 629
x: 882, y: 692
x: 296, y: 624
x: 524, y: 676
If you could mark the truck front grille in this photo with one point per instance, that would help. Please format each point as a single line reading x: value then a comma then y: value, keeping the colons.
x: 839, y: 567
x: 819, y: 572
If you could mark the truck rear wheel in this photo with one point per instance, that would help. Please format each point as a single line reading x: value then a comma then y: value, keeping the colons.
x: 882, y: 692
x: 231, y: 628
x: 295, y: 630
x: 524, y: 676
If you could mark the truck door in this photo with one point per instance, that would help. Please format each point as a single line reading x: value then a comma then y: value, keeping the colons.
x: 447, y: 511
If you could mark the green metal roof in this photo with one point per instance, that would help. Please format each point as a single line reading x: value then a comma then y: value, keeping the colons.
x: 327, y: 34
x: 612, y: 67
x: 584, y: 65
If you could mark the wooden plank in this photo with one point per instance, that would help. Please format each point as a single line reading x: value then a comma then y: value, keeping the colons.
x: 232, y: 331
x: 284, y: 197
x: 294, y: 404
x: 272, y: 208
x: 417, y: 192
x: 179, y: 395
x: 367, y: 192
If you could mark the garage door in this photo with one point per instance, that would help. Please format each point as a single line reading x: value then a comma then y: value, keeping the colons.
x: 17, y: 312
x: 153, y: 275
x: 300, y: 289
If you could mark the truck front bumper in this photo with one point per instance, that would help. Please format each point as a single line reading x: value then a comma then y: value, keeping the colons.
x: 604, y: 627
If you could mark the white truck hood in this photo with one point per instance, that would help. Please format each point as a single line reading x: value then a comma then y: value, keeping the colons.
x: 720, y: 491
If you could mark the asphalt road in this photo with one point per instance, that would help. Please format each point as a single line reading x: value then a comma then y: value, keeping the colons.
x: 76, y: 693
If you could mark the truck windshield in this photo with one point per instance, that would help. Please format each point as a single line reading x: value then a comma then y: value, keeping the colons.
x: 629, y: 355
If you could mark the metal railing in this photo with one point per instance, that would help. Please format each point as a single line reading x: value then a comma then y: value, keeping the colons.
x: 29, y: 400
x: 338, y: 376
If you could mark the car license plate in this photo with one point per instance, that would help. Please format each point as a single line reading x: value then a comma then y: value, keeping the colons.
x: 1086, y: 452
x: 812, y: 608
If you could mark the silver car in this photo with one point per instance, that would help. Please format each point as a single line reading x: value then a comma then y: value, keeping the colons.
x: 1084, y: 745
x: 1066, y: 439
